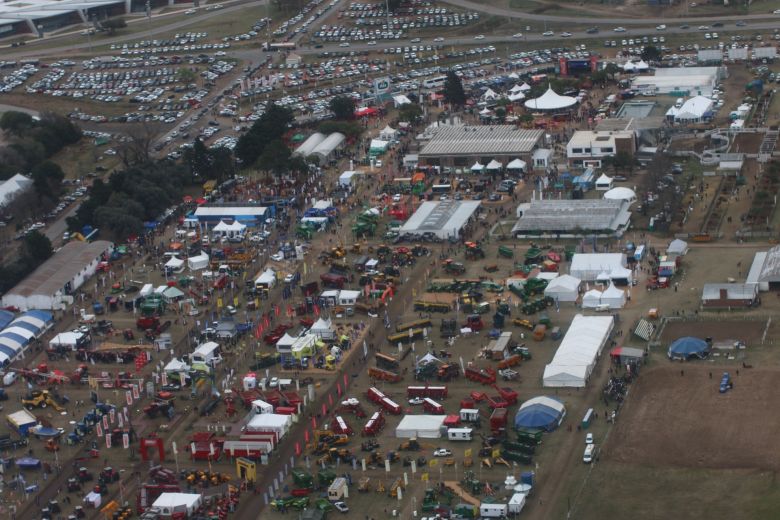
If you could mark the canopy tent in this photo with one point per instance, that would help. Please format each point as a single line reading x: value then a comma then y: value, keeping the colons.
x: 514, y: 75
x: 516, y: 96
x: 489, y: 95
x: 575, y: 358
x: 614, y: 297
x: 565, y: 288
x: 621, y: 193
x: 635, y: 66
x: 688, y: 347
x: 477, y: 167
x: 366, y: 111
x: 516, y: 88
x: 176, y: 366
x: 550, y: 101
x: 388, y: 133
x: 229, y: 230
x: 199, y: 262
x: 178, y: 504
x: 174, y: 264
x: 591, y: 299
x: 486, y: 112
x: 604, y: 183
x: 285, y: 341
x: 172, y: 293
x: 540, y: 413
x: 517, y: 164
x: 525, y: 87
x: 401, y: 100
x: 677, y: 247
x: 494, y: 166
x: 322, y: 328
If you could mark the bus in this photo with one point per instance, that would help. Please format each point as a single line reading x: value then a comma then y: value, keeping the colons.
x: 279, y: 46
x: 435, y: 82
x: 386, y: 362
x: 417, y: 324
x: 440, y: 189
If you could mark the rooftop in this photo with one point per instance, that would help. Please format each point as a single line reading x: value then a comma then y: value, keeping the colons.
x: 437, y: 215
x: 588, y: 137
x: 61, y: 268
x: 481, y: 140
x: 573, y: 215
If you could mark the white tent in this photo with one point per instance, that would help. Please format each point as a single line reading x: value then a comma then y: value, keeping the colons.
x: 575, y: 358
x: 175, y: 264
x: 516, y: 164
x: 229, y: 230
x: 494, y: 165
x: 604, y: 183
x: 322, y: 328
x: 514, y: 75
x: 378, y: 146
x: 692, y: 110
x: 172, y: 293
x: 196, y: 263
x: 621, y: 193
x: 591, y: 299
x: 67, y: 339
x: 485, y: 112
x: 170, y: 504
x: 477, y: 167
x: 564, y: 288
x: 635, y: 66
x: 270, y: 422
x: 525, y: 87
x: 550, y: 101
x: 388, y: 133
x: 489, y: 95
x: 420, y: 427
x: 614, y: 297
x: 587, y: 266
x: 266, y: 279
x: 401, y: 100
x: 516, y: 96
x: 677, y: 247
x: 285, y: 342
x: 515, y: 89
x: 176, y: 366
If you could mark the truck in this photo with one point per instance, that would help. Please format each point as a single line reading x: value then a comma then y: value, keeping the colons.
x: 338, y: 489
x: 459, y: 434
x: 438, y: 392
x: 485, y: 376
x: 498, y: 419
x: 374, y: 425
x: 336, y: 281
x: 432, y: 407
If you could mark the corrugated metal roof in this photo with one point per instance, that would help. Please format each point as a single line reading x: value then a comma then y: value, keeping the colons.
x: 570, y: 215
x: 481, y: 140
x: 734, y: 291
x: 434, y: 216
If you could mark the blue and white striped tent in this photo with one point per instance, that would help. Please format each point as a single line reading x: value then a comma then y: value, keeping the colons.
x: 20, y: 333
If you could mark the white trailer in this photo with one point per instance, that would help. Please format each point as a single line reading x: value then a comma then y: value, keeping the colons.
x: 459, y: 434
x: 516, y: 503
x: 338, y: 490
x: 469, y: 415
x: 492, y: 510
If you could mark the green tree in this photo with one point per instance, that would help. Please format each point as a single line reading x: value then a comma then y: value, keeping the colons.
x: 611, y: 69
x: 651, y: 53
x: 275, y: 158
x: 186, y: 75
x: 622, y: 161
x: 222, y: 164
x: 47, y: 179
x: 198, y: 160
x: 112, y: 25
x: 453, y: 90
x: 343, y: 108
x: 410, y: 112
x: 16, y: 123
x: 36, y: 248
x: 271, y: 126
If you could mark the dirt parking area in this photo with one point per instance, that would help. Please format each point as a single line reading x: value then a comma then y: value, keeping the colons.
x: 701, y: 428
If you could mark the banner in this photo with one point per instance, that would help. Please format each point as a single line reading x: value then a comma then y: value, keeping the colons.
x: 136, y: 393
x: 129, y: 398
x: 105, y: 422
x: 99, y: 430
x: 112, y: 415
x: 108, y: 440
x: 125, y: 440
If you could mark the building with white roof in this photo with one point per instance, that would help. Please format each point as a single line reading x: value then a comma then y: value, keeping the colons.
x: 551, y: 101
x: 13, y: 187
x: 588, y: 148
x: 248, y: 214
x: 580, y: 348
x: 19, y: 16
x: 464, y: 145
x: 591, y: 267
x: 681, y: 81
x: 694, y: 110
x: 445, y: 218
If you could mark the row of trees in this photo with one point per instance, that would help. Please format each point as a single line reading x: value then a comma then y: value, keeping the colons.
x: 35, y: 249
x: 208, y: 163
x: 30, y: 143
x: 130, y: 197
x: 263, y: 146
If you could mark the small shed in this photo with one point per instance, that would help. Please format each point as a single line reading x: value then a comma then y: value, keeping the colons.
x: 728, y: 295
x: 199, y: 262
x: 348, y: 297
x: 498, y: 348
x: 542, y: 158
x: 21, y: 421
x: 178, y: 505
x: 677, y: 247
x: 626, y: 354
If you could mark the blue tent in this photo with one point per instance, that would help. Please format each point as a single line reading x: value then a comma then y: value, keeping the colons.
x: 6, y: 317
x: 688, y: 347
x: 540, y: 413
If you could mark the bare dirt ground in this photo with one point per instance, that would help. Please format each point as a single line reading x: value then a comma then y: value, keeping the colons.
x: 748, y: 331
x: 721, y: 437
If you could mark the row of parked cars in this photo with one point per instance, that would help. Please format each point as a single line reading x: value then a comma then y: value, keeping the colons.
x: 297, y: 24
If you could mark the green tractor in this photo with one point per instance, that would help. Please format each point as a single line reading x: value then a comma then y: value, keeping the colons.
x: 505, y: 252
x: 305, y: 231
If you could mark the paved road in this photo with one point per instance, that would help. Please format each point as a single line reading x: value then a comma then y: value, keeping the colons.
x: 555, y: 40
x: 512, y: 13
x: 181, y: 21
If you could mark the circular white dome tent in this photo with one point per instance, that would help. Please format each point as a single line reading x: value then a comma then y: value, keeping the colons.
x: 550, y: 101
x: 621, y: 193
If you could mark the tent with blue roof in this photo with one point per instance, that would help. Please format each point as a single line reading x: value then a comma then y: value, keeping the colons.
x: 688, y: 347
x: 540, y: 413
x: 6, y: 317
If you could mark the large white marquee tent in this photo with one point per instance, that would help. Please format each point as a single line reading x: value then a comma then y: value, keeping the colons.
x: 550, y: 101
x: 580, y: 348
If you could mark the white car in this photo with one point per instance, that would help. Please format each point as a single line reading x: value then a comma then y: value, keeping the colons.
x: 442, y: 452
x: 289, y: 278
x: 341, y: 507
x: 517, y: 35
x: 589, y: 438
x: 439, y: 39
x: 548, y: 33
x: 190, y: 11
x: 416, y: 401
x: 277, y: 257
x: 565, y: 34
x: 372, y: 42
x: 661, y: 27
x: 776, y: 11
x: 397, y: 197
x: 479, y: 37
x: 344, y: 44
x: 273, y: 383
x: 619, y: 29
x: 231, y: 310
